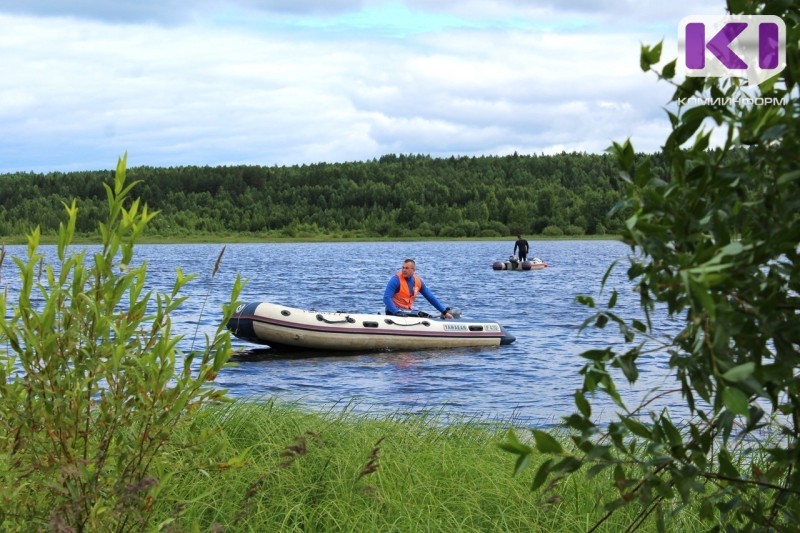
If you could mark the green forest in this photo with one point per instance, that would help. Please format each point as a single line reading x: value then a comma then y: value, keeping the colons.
x: 395, y: 196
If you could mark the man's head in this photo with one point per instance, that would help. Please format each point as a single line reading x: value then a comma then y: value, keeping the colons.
x: 409, y: 267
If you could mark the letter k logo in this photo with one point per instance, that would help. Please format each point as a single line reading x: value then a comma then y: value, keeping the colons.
x: 742, y: 46
x: 719, y: 45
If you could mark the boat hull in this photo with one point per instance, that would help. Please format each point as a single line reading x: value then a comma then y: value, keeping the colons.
x: 534, y: 264
x: 280, y: 326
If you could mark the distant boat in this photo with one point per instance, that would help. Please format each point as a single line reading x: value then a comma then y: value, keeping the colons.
x: 512, y: 263
x: 280, y: 326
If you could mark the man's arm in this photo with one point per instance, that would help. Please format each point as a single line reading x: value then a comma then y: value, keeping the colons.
x: 391, y: 289
x: 426, y: 292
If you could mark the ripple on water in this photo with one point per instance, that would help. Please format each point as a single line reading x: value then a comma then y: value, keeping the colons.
x: 532, y: 380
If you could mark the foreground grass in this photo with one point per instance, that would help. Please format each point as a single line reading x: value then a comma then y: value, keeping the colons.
x: 300, y: 471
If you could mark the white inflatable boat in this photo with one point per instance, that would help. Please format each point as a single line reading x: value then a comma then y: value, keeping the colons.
x: 280, y: 326
x: 515, y: 264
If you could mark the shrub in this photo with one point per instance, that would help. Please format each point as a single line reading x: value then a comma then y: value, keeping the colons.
x: 425, y: 229
x: 498, y: 227
x: 552, y: 231
x: 90, y: 389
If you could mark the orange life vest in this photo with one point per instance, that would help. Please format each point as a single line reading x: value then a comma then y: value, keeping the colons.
x: 402, y: 298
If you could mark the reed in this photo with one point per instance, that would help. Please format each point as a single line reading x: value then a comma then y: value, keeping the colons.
x: 294, y: 470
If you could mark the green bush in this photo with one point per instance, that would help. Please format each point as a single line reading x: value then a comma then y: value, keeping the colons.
x: 425, y: 229
x: 498, y: 227
x: 452, y: 232
x: 552, y: 231
x: 90, y: 388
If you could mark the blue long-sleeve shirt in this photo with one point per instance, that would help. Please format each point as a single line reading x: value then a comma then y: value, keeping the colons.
x: 394, y: 285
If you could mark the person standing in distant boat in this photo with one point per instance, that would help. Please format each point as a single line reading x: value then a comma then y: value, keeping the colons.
x: 522, y: 244
x: 403, y: 288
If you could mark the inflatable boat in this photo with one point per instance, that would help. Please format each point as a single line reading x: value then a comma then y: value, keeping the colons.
x: 515, y: 264
x: 280, y: 326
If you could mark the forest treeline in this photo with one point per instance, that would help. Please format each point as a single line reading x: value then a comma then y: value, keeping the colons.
x: 394, y: 196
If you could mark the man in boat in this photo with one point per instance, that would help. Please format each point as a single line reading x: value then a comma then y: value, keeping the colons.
x: 403, y: 288
x: 522, y: 244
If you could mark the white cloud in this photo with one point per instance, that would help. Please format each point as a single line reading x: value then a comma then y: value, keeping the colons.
x: 246, y: 82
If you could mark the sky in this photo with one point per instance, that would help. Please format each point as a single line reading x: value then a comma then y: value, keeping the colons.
x: 292, y: 82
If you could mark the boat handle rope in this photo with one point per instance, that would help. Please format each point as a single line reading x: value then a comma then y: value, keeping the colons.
x: 392, y: 322
x: 348, y: 319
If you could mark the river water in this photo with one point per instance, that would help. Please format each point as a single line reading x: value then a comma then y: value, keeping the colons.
x: 531, y: 381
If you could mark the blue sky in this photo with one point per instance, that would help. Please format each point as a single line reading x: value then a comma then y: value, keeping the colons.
x: 275, y: 82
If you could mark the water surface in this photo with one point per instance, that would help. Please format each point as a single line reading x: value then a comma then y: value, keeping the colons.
x: 531, y: 381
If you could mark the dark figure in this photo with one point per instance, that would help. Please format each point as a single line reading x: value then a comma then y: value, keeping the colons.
x: 522, y: 244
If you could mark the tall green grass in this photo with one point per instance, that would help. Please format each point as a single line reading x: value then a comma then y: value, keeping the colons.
x: 337, y: 471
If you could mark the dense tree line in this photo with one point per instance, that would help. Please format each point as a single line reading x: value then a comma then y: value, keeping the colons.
x: 394, y: 196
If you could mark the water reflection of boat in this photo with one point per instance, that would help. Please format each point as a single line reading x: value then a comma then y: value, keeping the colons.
x: 512, y: 263
x: 281, y: 326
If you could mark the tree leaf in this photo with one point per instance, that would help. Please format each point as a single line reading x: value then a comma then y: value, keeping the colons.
x: 788, y: 177
x: 736, y: 6
x: 597, y: 355
x: 668, y: 72
x: 650, y: 55
x: 726, y: 467
x: 582, y: 404
x: 735, y: 400
x: 513, y: 445
x: 672, y: 433
x: 637, y: 428
x: 541, y: 474
x: 522, y: 463
x: 545, y: 442
x: 732, y: 248
x: 612, y: 302
x: 740, y: 373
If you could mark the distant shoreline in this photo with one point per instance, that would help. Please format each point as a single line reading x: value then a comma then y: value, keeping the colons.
x: 253, y: 239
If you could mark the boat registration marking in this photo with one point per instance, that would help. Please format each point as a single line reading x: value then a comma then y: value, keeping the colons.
x: 464, y: 327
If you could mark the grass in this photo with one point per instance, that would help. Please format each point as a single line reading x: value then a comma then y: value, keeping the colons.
x: 299, y: 471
